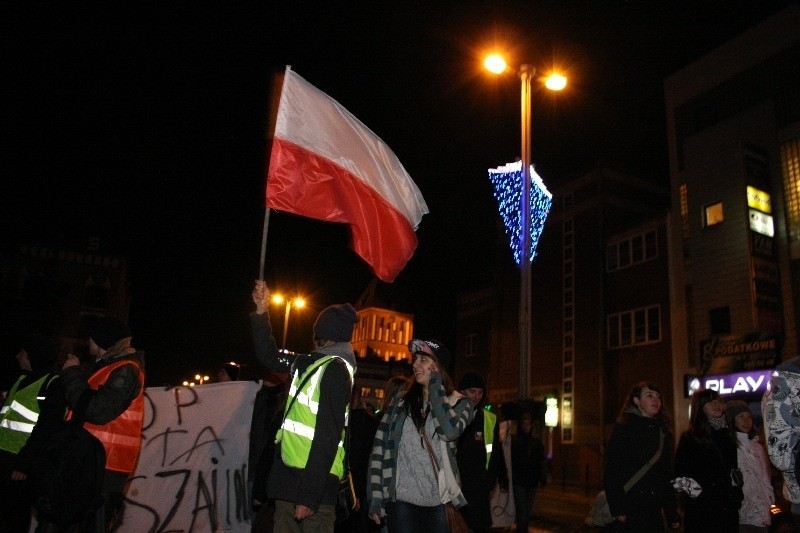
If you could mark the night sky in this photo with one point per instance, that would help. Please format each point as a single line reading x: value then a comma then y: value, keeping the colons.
x: 146, y: 126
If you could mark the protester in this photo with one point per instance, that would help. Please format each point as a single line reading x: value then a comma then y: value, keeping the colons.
x: 638, y: 466
x: 114, y: 412
x: 362, y: 425
x: 33, y: 411
x: 481, y: 462
x: 754, y: 514
x: 782, y: 429
x: 416, y: 437
x: 309, y: 456
x: 528, y: 467
x: 228, y: 372
x: 706, y: 457
x: 267, y: 410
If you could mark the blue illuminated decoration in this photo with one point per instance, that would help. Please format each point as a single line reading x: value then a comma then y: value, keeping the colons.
x: 507, y: 182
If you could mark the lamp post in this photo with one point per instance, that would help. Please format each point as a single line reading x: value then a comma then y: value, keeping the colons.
x: 555, y: 82
x: 297, y: 302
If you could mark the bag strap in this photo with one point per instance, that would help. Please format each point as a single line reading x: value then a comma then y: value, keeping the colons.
x: 429, y: 447
x: 643, y: 470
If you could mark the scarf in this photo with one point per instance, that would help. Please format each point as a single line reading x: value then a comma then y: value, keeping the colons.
x: 717, y: 422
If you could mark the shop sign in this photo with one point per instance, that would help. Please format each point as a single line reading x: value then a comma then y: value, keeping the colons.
x: 739, y: 353
x: 754, y: 382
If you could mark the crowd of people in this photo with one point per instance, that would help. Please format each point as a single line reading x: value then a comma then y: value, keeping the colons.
x: 430, y: 450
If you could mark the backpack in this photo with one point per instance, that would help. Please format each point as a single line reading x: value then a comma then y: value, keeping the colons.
x: 70, y: 471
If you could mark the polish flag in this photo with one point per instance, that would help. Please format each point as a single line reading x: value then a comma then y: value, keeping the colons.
x: 327, y: 165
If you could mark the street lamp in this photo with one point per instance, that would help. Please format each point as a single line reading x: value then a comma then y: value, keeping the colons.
x: 201, y: 379
x: 297, y: 302
x: 496, y: 64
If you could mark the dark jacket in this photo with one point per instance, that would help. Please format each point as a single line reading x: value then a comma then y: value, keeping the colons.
x: 313, y: 485
x: 634, y: 442
x: 116, y: 394
x: 709, y: 459
x: 477, y: 481
x: 527, y: 460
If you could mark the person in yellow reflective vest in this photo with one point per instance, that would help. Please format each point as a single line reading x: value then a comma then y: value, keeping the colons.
x: 480, y: 456
x: 32, y: 412
x: 309, y: 456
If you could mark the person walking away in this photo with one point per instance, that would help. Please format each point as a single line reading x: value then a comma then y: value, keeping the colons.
x: 779, y: 406
x: 114, y: 412
x: 706, y: 457
x: 639, y: 448
x: 309, y: 454
x: 33, y: 411
x: 416, y: 438
x: 528, y: 468
x: 481, y: 461
x: 754, y: 514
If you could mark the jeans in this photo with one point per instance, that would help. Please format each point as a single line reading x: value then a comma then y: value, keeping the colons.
x: 403, y: 517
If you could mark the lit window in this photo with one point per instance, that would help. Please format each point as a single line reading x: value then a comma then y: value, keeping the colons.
x: 713, y: 214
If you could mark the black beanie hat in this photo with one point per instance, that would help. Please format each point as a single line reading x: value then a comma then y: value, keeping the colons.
x: 433, y: 347
x: 471, y: 380
x: 335, y: 323
x: 232, y: 369
x: 106, y: 331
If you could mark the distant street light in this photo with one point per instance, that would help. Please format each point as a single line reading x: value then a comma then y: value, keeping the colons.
x: 496, y: 64
x: 297, y: 302
x: 201, y: 379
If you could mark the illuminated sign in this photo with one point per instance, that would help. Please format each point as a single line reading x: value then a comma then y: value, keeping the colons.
x: 753, y: 382
x: 566, y: 413
x: 761, y: 223
x: 758, y: 199
x: 551, y: 414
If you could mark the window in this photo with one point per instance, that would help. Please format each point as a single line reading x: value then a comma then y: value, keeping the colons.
x: 713, y: 214
x: 471, y: 345
x: 631, y: 328
x: 631, y: 251
x: 379, y: 393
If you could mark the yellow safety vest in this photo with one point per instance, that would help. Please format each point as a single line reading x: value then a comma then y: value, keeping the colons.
x: 489, y: 422
x: 300, y: 421
x: 21, y: 412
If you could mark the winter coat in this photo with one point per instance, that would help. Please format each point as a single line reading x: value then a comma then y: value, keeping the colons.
x: 758, y: 493
x: 781, y: 410
x: 709, y: 459
x: 477, y: 481
x: 633, y: 443
x: 313, y: 485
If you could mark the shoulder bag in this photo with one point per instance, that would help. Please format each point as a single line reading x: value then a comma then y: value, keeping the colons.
x: 600, y: 513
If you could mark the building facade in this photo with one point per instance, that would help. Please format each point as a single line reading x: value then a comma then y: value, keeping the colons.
x: 733, y: 121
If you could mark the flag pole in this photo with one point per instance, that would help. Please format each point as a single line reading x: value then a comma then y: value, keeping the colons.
x: 277, y: 85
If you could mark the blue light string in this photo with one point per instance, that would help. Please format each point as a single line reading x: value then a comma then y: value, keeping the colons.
x: 507, y: 184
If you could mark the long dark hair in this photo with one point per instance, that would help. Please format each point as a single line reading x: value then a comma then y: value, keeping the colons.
x: 413, y: 400
x: 698, y: 421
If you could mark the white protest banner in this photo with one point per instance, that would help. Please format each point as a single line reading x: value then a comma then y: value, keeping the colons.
x: 192, y: 469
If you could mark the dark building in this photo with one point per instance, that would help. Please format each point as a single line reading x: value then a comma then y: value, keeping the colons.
x: 733, y: 122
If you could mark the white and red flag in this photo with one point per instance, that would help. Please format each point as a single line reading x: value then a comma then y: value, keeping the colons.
x: 327, y: 165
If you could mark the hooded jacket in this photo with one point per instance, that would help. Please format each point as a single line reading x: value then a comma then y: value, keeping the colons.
x: 780, y: 407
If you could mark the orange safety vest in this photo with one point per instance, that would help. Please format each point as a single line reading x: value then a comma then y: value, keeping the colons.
x: 122, y: 437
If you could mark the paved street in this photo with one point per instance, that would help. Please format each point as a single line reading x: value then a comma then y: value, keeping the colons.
x: 560, y: 511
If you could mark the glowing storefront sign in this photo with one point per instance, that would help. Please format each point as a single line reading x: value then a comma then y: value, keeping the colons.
x: 752, y: 382
x: 762, y: 223
x: 758, y: 199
